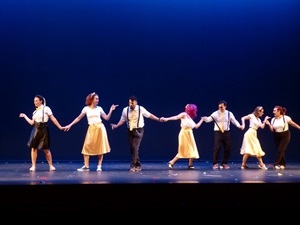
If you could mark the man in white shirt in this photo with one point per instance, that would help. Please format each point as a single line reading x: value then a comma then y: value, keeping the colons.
x: 222, y: 136
x: 134, y: 115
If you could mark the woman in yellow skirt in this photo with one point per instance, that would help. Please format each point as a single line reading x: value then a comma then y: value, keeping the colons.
x: 96, y: 141
x: 187, y: 147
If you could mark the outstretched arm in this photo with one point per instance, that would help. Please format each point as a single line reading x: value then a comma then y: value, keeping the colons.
x: 270, y: 125
x: 235, y: 122
x: 54, y: 120
x: 264, y: 122
x: 76, y: 120
x: 153, y: 117
x: 23, y: 115
x: 292, y: 123
x: 177, y: 117
x: 107, y: 116
x: 199, y: 123
x: 114, y: 126
x: 207, y: 119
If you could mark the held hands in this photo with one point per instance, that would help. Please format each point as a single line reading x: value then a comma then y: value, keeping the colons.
x: 162, y: 119
x: 61, y: 128
x: 113, y: 126
x: 66, y: 128
x: 266, y: 119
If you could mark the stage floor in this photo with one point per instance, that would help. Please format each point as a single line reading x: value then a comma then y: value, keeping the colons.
x: 115, y: 187
x: 12, y: 173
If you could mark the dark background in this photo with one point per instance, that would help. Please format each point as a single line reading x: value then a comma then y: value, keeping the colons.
x: 167, y: 53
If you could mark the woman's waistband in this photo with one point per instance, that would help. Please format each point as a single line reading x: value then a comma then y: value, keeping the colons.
x: 40, y: 124
x: 95, y: 124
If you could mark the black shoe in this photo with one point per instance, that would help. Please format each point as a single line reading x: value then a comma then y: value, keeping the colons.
x: 191, y: 167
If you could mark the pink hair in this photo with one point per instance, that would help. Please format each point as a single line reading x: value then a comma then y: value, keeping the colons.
x: 191, y: 110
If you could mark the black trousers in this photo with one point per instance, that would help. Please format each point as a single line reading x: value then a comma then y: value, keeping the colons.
x: 135, y: 138
x: 282, y: 140
x: 222, y: 140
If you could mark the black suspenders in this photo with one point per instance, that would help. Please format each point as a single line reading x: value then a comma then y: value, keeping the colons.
x: 218, y: 124
x: 283, y: 122
x: 137, y: 125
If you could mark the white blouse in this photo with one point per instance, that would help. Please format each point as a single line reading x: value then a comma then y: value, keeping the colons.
x: 93, y: 114
x: 37, y: 115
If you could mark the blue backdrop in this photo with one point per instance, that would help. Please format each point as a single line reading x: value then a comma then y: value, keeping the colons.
x: 167, y: 53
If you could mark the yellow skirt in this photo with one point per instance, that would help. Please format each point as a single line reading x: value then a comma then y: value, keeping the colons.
x: 96, y: 141
x: 187, y: 147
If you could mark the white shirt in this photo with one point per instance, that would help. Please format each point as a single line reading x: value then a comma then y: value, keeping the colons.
x: 143, y: 113
x: 228, y: 117
x: 187, y: 122
x: 280, y: 124
x: 93, y: 114
x: 37, y: 115
x: 254, y: 122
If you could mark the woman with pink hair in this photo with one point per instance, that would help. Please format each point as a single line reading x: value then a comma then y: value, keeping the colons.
x: 187, y: 147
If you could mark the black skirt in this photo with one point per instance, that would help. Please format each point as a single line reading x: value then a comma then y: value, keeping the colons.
x: 39, y: 137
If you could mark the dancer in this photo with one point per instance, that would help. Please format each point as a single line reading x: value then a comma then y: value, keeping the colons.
x: 134, y: 115
x: 251, y: 145
x: 279, y: 125
x: 96, y: 141
x: 187, y: 147
x: 222, y: 136
x: 40, y: 135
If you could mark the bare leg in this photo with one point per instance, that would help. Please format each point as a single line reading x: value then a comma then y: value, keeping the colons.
x: 261, y: 164
x: 86, y: 166
x: 245, y: 158
x: 173, y: 161
x: 49, y: 159
x: 260, y: 161
x: 100, y: 159
x: 191, y: 162
x: 191, y: 166
x: 34, y: 154
x: 86, y: 161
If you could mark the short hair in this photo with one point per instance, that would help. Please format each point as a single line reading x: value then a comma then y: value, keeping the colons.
x: 223, y: 102
x: 133, y: 98
x: 191, y: 110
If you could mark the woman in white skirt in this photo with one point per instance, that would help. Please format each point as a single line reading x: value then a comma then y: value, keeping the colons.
x: 251, y: 145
